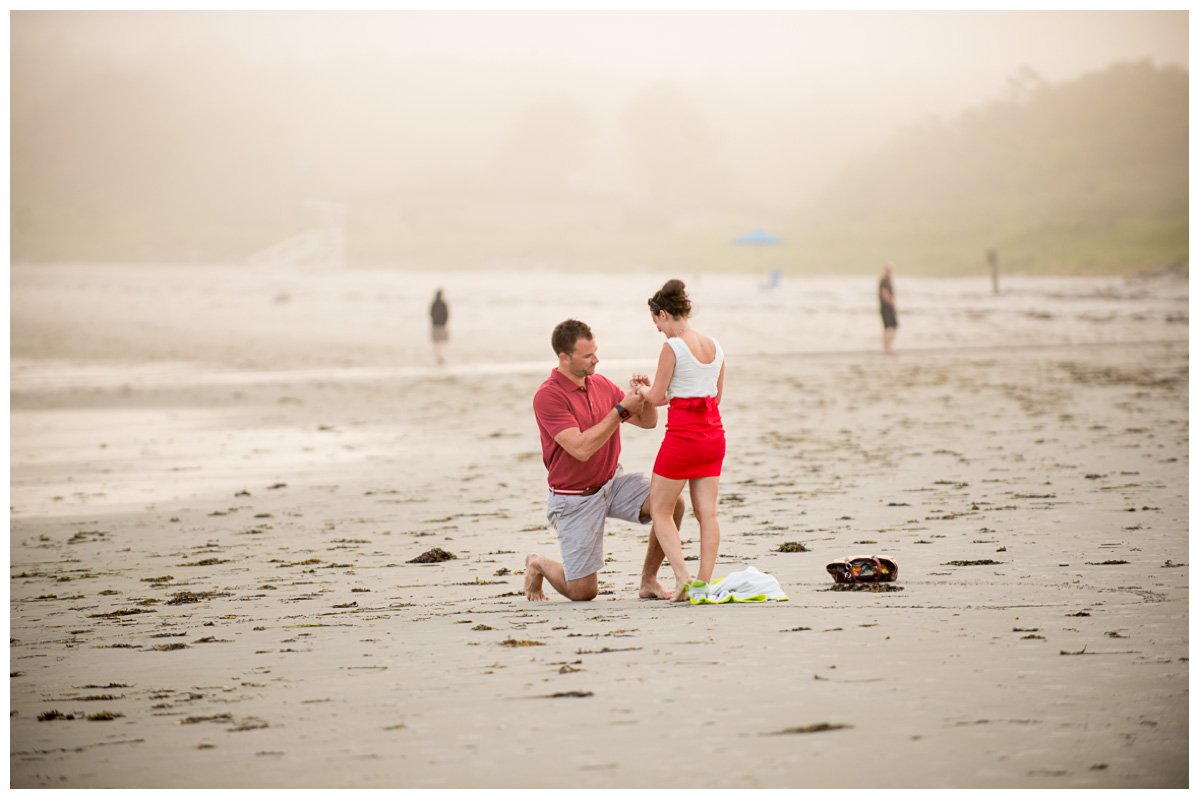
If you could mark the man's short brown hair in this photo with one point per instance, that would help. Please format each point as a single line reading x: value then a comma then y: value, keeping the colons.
x: 567, y: 333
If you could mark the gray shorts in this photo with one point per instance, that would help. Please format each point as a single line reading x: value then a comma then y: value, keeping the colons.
x: 579, y: 521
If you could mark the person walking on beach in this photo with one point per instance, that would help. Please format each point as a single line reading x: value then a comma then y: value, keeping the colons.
x: 691, y: 377
x: 887, y: 308
x: 579, y: 415
x: 439, y: 315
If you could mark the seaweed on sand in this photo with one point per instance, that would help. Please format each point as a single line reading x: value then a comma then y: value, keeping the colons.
x: 432, y: 556
x: 818, y: 727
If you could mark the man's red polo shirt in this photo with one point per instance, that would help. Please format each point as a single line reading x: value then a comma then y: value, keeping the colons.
x: 559, y: 404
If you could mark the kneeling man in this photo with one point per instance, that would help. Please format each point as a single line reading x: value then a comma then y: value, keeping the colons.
x: 579, y: 415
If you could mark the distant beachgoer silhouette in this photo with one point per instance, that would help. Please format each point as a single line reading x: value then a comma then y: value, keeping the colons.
x: 887, y: 308
x: 439, y: 314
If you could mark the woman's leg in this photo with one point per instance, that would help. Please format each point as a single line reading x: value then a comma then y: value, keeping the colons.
x: 704, y: 506
x: 664, y: 493
x: 654, y: 553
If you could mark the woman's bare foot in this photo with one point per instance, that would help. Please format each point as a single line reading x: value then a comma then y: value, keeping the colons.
x: 654, y: 591
x: 533, y: 578
x: 681, y: 593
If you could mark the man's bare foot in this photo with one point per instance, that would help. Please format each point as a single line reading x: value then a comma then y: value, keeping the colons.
x: 653, y: 591
x: 533, y: 579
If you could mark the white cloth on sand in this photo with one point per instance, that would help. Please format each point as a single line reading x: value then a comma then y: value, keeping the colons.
x: 744, y: 586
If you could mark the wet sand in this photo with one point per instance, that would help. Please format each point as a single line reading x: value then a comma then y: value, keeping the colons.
x: 218, y: 482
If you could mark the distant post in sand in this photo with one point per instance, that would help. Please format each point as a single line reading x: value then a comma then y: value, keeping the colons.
x: 994, y: 266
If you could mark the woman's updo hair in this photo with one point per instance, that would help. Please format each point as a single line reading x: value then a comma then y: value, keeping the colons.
x: 672, y: 299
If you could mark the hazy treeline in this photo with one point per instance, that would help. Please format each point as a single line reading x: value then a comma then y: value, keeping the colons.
x: 209, y: 156
x: 1084, y: 176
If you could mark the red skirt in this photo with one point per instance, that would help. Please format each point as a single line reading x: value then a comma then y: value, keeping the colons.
x: 694, y: 445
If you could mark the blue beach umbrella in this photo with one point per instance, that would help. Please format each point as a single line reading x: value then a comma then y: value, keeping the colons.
x: 758, y: 237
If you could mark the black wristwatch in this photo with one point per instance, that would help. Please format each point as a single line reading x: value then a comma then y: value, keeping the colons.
x: 623, y: 412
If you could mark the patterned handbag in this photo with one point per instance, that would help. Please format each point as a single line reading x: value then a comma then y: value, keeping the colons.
x: 863, y: 569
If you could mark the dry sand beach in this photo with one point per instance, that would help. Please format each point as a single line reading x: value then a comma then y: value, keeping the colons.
x: 219, y: 480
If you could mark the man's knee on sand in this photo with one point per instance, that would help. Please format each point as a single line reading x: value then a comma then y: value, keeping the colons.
x: 585, y: 588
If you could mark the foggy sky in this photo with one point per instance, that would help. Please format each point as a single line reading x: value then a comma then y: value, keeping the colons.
x: 787, y: 96
x: 949, y: 48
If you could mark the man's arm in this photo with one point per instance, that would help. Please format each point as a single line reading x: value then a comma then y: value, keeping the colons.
x: 648, y: 418
x: 582, y: 445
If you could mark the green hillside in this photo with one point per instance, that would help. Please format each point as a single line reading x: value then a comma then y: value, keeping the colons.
x: 1087, y: 176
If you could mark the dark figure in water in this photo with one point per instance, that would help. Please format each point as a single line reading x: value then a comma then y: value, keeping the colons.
x: 439, y: 314
x: 887, y: 308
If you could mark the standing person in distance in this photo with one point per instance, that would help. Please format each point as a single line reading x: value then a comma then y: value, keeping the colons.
x: 439, y: 315
x: 690, y: 378
x: 887, y: 308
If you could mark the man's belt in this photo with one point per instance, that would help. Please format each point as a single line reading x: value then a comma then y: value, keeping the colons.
x: 588, y: 492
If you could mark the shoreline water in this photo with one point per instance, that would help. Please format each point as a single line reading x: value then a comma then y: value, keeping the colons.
x: 258, y: 320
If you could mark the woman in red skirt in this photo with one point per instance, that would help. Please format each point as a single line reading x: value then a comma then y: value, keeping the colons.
x: 690, y: 377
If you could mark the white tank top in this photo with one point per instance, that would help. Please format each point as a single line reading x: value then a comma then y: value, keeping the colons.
x: 691, y: 378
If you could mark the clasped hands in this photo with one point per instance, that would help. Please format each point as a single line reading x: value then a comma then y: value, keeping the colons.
x: 639, y: 388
